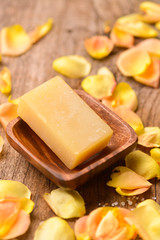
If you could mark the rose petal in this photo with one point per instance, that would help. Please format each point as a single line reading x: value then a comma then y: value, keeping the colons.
x: 72, y: 66
x: 1, y: 143
x: 14, y: 101
x: 99, y: 46
x: 14, y: 41
x: 151, y: 11
x: 0, y: 58
x: 66, y: 203
x: 5, y: 80
x: 155, y: 154
x: 14, y: 189
x: 133, y: 62
x: 41, y: 31
x: 121, y: 39
x: 20, y: 226
x: 54, y: 228
x: 157, y: 25
x: 125, y: 178
x: 151, y: 75
x: 101, y: 85
x: 80, y: 228
x: 133, y: 192
x: 122, y: 95
x: 130, y: 117
x: 142, y: 164
x: 107, y: 27
x: 151, y: 45
x: 150, y: 137
x: 8, y: 111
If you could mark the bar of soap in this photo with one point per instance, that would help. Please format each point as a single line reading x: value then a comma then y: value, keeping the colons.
x: 72, y: 130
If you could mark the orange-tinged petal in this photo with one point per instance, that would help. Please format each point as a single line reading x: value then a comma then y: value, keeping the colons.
x: 72, y: 66
x: 80, y: 229
x: 121, y: 39
x: 99, y: 86
x: 99, y: 46
x: 151, y: 45
x: 142, y: 164
x: 9, y: 211
x: 151, y: 11
x: 151, y: 75
x: 130, y: 117
x: 125, y: 178
x: 155, y: 154
x: 1, y: 143
x: 14, y: 41
x: 150, y: 137
x: 41, y: 31
x: 5, y: 80
x: 14, y: 189
x: 157, y: 25
x: 54, y: 228
x: 133, y: 62
x: 66, y: 203
x: 20, y: 226
x: 122, y: 95
x: 8, y: 111
x: 133, y: 192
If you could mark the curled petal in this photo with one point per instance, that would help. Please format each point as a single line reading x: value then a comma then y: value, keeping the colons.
x: 143, y: 164
x: 8, y: 111
x: 155, y: 154
x: 66, y: 203
x: 14, y: 41
x: 54, y: 228
x: 14, y: 189
x: 72, y: 66
x: 41, y: 31
x: 122, y: 95
x: 133, y: 192
x: 151, y: 75
x: 5, y: 80
x: 151, y: 45
x: 150, y: 137
x: 1, y: 143
x: 99, y: 46
x: 133, y: 62
x: 121, y: 39
x: 151, y: 11
x: 130, y: 117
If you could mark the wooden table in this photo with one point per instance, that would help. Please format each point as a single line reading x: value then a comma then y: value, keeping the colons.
x: 74, y: 20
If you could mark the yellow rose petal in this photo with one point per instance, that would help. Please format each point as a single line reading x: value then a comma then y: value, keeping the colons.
x: 143, y: 164
x: 8, y: 111
x: 41, y: 31
x: 157, y: 25
x: 66, y: 203
x: 133, y: 62
x: 150, y: 137
x: 72, y: 66
x: 121, y: 39
x: 99, y: 46
x: 14, y: 101
x: 151, y: 11
x: 151, y: 45
x: 13, y: 189
x: 133, y: 192
x: 155, y: 154
x: 54, y: 228
x: 14, y: 41
x: 5, y: 81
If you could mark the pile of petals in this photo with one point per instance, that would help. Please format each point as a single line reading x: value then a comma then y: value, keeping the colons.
x: 132, y: 179
x: 15, y: 41
x: 15, y: 207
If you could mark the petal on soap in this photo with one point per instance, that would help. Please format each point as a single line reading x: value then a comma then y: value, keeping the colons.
x: 5, y: 80
x: 72, y: 66
x: 66, y: 203
x: 130, y: 65
x: 1, y: 143
x: 151, y: 45
x: 54, y: 228
x: 41, y: 31
x: 155, y: 154
x: 133, y: 192
x: 122, y: 95
x: 150, y: 137
x: 151, y: 75
x: 99, y: 86
x: 99, y: 46
x: 125, y: 178
x: 143, y: 164
x: 8, y: 111
x: 14, y: 189
x: 14, y: 41
x: 130, y: 117
x: 121, y: 39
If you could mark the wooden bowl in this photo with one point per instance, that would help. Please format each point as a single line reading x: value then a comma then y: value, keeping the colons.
x: 26, y: 142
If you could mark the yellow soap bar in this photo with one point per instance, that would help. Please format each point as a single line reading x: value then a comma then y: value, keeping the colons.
x: 72, y: 130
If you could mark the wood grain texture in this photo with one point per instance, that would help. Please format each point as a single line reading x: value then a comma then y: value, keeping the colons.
x: 74, y: 21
